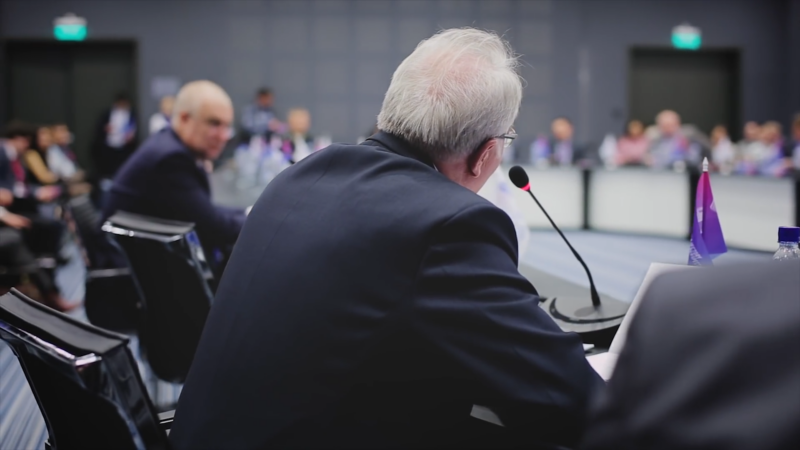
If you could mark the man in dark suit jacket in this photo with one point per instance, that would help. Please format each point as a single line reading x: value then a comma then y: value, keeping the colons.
x: 711, y: 362
x: 167, y: 176
x: 373, y: 298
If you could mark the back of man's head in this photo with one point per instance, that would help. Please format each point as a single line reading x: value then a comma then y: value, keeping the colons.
x: 455, y: 91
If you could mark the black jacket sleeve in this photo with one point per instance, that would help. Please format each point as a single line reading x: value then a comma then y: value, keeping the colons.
x: 473, y: 304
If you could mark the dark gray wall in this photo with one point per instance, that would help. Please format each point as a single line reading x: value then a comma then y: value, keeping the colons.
x: 336, y: 57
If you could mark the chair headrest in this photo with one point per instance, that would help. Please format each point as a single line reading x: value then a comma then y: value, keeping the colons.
x: 136, y: 222
x: 48, y: 325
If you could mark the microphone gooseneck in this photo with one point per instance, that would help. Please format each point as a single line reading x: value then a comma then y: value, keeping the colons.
x: 520, y: 179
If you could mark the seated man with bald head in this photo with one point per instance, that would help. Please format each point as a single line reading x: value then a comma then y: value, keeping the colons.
x: 167, y: 178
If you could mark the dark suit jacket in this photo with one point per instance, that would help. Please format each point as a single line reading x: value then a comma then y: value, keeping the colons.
x: 711, y: 362
x: 163, y: 179
x: 369, y: 303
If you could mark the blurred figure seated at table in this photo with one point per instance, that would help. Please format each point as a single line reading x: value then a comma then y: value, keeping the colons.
x: 632, y: 147
x: 769, y: 157
x: 259, y: 119
x: 298, y: 143
x: 564, y: 150
x: 674, y: 146
x: 160, y: 120
x: 724, y: 155
x: 793, y: 147
x: 750, y: 139
x: 559, y: 149
x: 167, y: 176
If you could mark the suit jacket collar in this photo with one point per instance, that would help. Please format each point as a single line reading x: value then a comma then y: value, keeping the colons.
x: 400, y: 146
x: 201, y: 172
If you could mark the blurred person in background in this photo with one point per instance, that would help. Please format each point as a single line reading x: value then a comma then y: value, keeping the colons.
x: 564, y: 150
x: 793, y: 149
x: 60, y: 158
x: 724, y: 154
x: 672, y: 145
x: 35, y: 157
x: 160, y: 120
x: 772, y: 158
x: 750, y: 149
x: 298, y: 143
x: 633, y: 146
x: 259, y: 119
x: 115, y: 137
x: 167, y: 177
x: 19, y: 207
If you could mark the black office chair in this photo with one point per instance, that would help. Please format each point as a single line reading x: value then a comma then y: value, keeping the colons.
x: 170, y: 269
x: 112, y: 299
x: 84, y: 378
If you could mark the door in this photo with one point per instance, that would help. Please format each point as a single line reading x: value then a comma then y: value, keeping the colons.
x: 68, y: 82
x: 702, y: 86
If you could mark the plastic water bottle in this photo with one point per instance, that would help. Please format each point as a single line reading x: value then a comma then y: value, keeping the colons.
x: 788, y: 238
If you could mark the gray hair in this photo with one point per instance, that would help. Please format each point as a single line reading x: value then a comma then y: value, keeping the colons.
x: 453, y: 92
x: 193, y: 94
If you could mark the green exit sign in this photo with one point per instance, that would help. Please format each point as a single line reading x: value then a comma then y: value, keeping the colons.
x: 69, y: 28
x: 686, y: 37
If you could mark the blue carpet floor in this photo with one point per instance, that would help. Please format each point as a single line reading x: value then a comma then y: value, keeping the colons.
x: 618, y: 264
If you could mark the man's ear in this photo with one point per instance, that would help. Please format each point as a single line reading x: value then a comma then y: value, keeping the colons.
x: 477, y: 160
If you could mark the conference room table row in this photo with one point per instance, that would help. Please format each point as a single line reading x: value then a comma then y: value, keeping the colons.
x: 628, y: 201
x: 661, y: 203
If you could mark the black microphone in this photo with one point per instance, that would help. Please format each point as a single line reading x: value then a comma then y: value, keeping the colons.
x: 572, y: 310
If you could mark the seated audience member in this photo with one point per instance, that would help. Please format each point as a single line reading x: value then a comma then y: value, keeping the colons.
x: 19, y: 205
x: 48, y: 165
x: 564, y: 150
x: 160, y: 120
x: 672, y: 145
x: 115, y: 138
x: 793, y: 149
x: 729, y: 379
x: 259, y: 119
x: 723, y: 153
x: 298, y: 143
x: 35, y: 158
x: 15, y: 254
x: 167, y: 176
x: 773, y: 160
x: 373, y: 298
x: 61, y: 160
x: 633, y: 146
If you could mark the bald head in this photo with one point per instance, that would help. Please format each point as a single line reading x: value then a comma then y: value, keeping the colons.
x: 669, y: 122
x: 202, y: 117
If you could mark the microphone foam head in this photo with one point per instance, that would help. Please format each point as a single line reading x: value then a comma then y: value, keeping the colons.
x: 519, y: 177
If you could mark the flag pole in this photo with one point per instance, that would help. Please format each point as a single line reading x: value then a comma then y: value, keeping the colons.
x: 705, y: 164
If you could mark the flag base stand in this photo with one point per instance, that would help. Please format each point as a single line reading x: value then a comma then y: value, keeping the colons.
x: 595, y: 325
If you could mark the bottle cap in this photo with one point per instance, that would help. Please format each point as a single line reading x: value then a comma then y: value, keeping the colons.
x: 789, y: 234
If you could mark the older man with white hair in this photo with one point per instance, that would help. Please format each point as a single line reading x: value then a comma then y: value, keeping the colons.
x: 373, y: 298
x: 167, y: 178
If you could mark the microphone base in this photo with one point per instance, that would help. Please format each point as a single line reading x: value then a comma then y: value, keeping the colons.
x: 577, y: 314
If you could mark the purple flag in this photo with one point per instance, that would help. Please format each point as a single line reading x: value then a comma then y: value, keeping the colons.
x: 707, y: 241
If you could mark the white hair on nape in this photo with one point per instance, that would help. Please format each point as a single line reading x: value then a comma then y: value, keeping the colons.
x: 193, y: 94
x: 453, y: 92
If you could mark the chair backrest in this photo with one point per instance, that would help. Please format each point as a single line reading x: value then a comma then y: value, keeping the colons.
x: 84, y: 378
x: 170, y: 268
x: 112, y: 300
